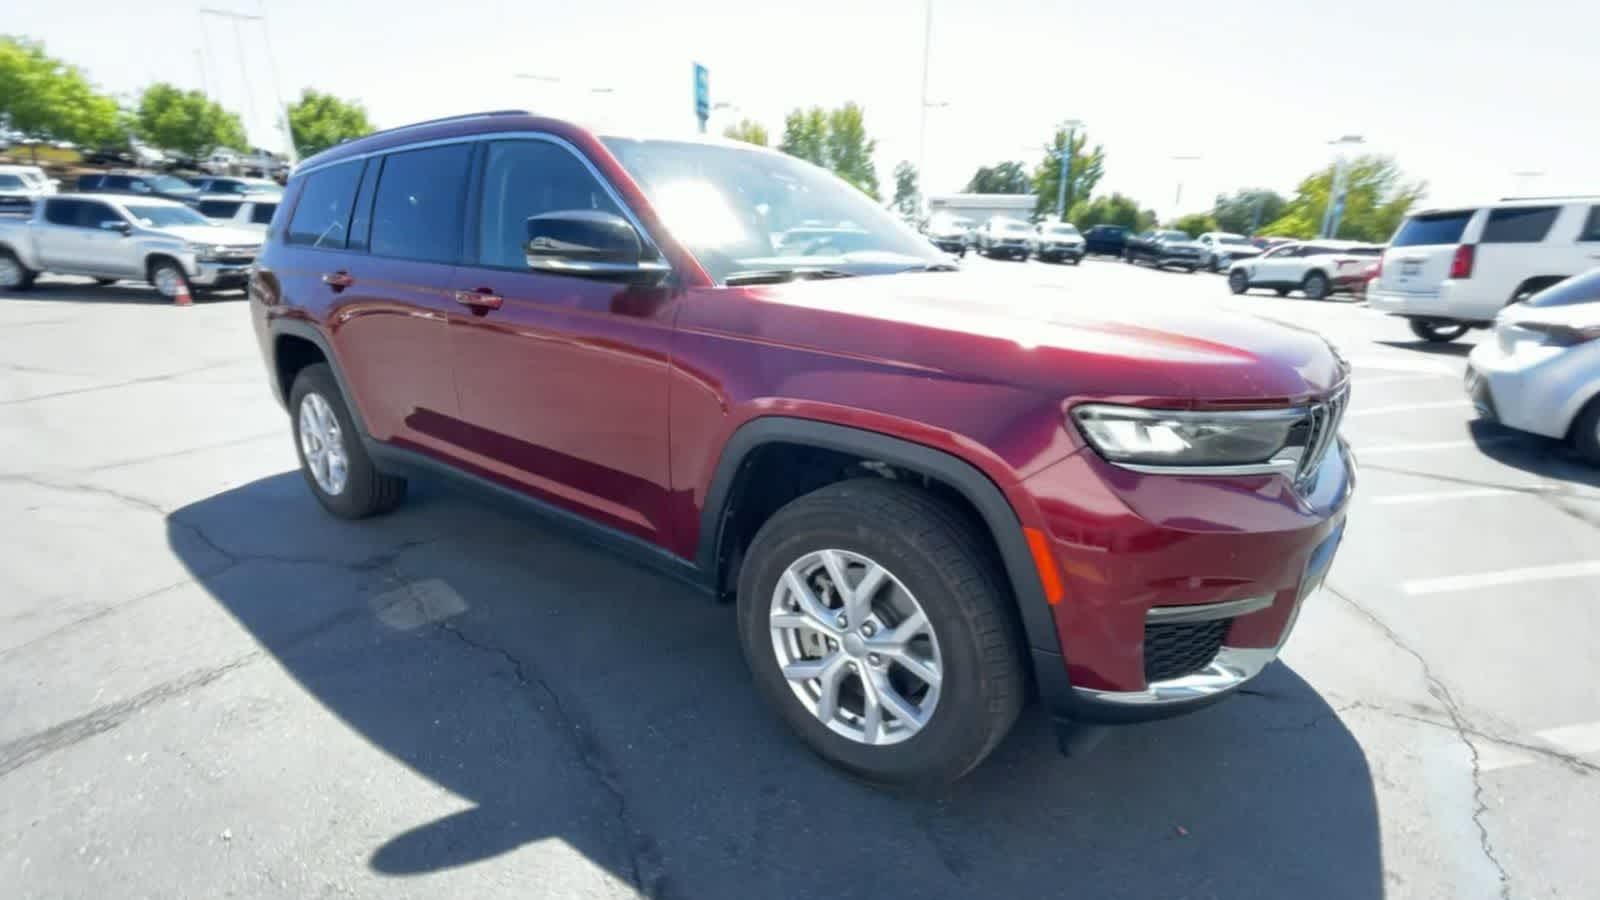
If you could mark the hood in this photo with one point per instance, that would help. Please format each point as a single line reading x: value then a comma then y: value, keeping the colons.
x: 1237, y: 251
x: 1182, y: 245
x: 1062, y: 238
x: 1069, y: 338
x: 220, y: 234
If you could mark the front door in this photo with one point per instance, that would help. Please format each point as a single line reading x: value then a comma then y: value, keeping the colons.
x: 562, y: 379
x: 72, y: 240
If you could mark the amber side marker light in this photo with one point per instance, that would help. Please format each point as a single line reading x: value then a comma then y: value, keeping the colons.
x: 1039, y: 546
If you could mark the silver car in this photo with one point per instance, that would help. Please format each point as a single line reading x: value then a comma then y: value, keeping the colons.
x: 1541, y: 371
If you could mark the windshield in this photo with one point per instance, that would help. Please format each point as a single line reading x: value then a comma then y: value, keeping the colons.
x: 1433, y: 228
x: 167, y: 216
x: 12, y: 183
x: 168, y: 184
x: 1233, y: 240
x: 1172, y: 236
x: 1014, y: 227
x: 1061, y: 229
x: 742, y: 210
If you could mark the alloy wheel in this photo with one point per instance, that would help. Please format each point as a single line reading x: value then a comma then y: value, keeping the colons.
x: 322, y: 442
x: 10, y: 272
x: 167, y: 280
x: 855, y: 647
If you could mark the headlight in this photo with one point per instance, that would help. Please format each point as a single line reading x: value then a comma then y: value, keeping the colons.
x: 1161, y: 437
x: 204, y: 250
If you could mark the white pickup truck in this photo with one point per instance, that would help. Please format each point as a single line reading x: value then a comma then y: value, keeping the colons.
x: 111, y: 237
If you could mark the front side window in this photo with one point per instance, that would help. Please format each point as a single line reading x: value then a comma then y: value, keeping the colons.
x: 416, y: 213
x: 1519, y: 225
x: 1591, y: 226
x: 166, y: 216
x: 523, y: 179
x: 262, y: 214
x: 10, y: 182
x: 322, y: 217
x: 741, y: 210
x: 94, y: 215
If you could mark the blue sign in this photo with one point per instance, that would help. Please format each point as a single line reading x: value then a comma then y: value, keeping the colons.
x: 702, y: 94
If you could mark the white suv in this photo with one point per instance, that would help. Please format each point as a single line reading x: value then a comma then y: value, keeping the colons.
x: 1448, y: 270
x: 1319, y: 269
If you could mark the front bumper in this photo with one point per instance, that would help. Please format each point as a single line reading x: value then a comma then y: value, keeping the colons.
x: 1531, y: 386
x: 1061, y: 250
x: 1131, y: 548
x: 220, y: 274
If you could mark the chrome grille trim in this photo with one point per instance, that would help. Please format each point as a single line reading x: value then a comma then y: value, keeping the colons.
x: 1325, y: 417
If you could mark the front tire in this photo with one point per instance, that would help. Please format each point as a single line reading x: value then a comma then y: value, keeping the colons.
x: 333, y: 460
x: 913, y: 672
x: 1437, y: 332
x: 1586, y: 433
x: 1238, y: 281
x: 169, y: 279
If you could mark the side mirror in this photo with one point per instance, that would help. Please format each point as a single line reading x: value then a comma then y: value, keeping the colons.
x: 120, y: 227
x: 591, y: 244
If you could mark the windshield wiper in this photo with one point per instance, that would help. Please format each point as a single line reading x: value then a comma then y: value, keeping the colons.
x: 778, y: 276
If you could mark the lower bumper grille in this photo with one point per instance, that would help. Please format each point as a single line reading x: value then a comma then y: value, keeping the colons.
x: 1173, y: 650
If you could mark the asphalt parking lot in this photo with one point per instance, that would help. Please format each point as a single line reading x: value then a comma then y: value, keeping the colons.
x: 209, y: 687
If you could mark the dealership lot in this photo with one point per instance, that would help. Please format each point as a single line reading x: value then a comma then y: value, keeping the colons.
x: 209, y: 686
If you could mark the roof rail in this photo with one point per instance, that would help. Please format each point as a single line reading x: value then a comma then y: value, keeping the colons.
x: 1556, y: 197
x: 460, y: 118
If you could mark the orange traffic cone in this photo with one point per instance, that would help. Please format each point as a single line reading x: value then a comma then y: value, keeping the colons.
x: 182, y: 298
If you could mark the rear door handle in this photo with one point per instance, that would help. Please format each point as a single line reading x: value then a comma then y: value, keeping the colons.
x: 480, y: 299
x: 338, y: 280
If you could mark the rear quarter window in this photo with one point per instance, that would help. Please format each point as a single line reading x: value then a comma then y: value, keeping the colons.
x: 1433, y: 228
x: 1591, y: 226
x: 322, y: 215
x: 1519, y: 224
x: 218, y: 209
x: 262, y: 214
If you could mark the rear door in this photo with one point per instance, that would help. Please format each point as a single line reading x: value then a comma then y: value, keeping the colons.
x: 59, y: 233
x: 563, y: 380
x: 1419, y: 256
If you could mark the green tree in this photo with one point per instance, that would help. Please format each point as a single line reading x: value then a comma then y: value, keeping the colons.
x: 805, y: 134
x: 1239, y: 213
x: 907, y: 196
x: 836, y: 140
x: 1002, y: 178
x: 747, y: 130
x: 1086, y: 170
x: 1116, y: 209
x: 41, y: 96
x: 319, y: 121
x: 1376, y: 199
x: 186, y: 121
x: 1196, y: 224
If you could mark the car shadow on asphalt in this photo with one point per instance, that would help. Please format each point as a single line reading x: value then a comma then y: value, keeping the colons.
x: 1542, y: 456
x: 1439, y: 349
x: 567, y: 695
x: 129, y: 293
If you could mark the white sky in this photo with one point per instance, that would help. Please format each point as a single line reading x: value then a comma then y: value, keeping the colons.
x: 1462, y: 92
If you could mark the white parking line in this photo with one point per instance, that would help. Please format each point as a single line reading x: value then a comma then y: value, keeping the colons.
x: 1363, y: 382
x: 1463, y: 494
x: 1421, y: 586
x: 1403, y: 364
x: 1572, y: 740
x: 1406, y: 407
x: 1363, y: 452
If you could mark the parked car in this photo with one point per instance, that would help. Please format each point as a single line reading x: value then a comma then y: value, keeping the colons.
x: 33, y: 175
x: 1451, y: 269
x: 211, y: 184
x: 146, y: 157
x: 1003, y: 237
x: 222, y: 161
x: 1267, y: 243
x: 1105, y: 240
x: 1057, y: 242
x: 254, y: 211
x: 1319, y: 269
x: 926, y: 502
x: 950, y: 233
x: 145, y: 184
x: 1164, y: 248
x: 1220, y: 249
x: 115, y: 236
x: 17, y: 194
x: 1541, y: 372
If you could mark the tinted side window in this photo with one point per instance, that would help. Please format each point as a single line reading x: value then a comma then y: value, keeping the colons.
x: 218, y: 209
x: 323, y: 213
x: 1433, y: 228
x: 262, y: 214
x: 522, y: 179
x: 92, y: 214
x: 90, y: 182
x: 1519, y: 225
x: 1591, y: 226
x: 62, y: 212
x: 416, y: 213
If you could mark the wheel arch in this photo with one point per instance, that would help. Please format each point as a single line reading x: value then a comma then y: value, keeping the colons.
x: 730, y: 484
x: 1534, y: 285
x: 292, y: 343
x: 154, y: 257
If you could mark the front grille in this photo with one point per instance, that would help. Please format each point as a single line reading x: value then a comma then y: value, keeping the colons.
x: 1173, y: 650
x: 1321, y: 429
x: 234, y: 260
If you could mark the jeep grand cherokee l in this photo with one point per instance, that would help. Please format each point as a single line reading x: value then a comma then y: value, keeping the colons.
x: 930, y: 495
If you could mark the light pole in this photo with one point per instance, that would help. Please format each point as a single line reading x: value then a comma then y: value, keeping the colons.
x: 1330, y: 218
x: 922, y: 109
x: 1072, y: 126
x: 272, y: 69
x: 1177, y: 200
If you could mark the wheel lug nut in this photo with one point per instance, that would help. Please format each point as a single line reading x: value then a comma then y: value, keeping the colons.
x: 853, y: 667
x: 842, y: 622
x: 868, y: 630
x: 874, y: 659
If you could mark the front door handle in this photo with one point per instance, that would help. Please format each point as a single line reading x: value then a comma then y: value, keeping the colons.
x: 481, y: 299
x: 338, y: 280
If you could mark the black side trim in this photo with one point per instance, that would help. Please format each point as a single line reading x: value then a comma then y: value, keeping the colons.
x: 302, y: 329
x: 400, y: 460
x: 973, y: 484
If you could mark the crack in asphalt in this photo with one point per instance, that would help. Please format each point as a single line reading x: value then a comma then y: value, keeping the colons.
x: 91, y: 616
x: 148, y: 379
x: 22, y: 751
x: 647, y: 872
x: 1458, y: 723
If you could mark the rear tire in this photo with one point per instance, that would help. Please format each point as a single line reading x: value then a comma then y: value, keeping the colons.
x: 1437, y: 332
x: 931, y: 554
x: 1586, y: 433
x: 14, y: 276
x: 363, y: 490
x: 1315, y: 286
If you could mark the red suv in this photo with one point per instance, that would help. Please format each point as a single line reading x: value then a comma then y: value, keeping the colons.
x: 932, y: 496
